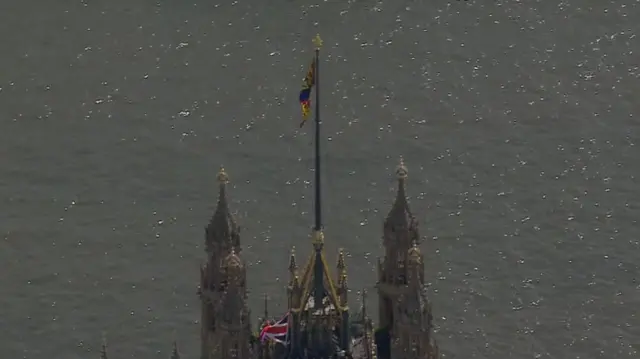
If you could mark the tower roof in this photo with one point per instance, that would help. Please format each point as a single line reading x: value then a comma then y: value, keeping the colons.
x: 400, y: 209
x: 223, y: 226
x: 318, y: 289
x: 400, y: 217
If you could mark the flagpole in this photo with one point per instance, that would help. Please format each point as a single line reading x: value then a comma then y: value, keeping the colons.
x: 318, y: 204
x: 318, y: 237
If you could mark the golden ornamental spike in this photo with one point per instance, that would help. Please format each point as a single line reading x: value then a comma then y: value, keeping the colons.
x: 292, y: 260
x: 317, y: 42
x: 341, y: 262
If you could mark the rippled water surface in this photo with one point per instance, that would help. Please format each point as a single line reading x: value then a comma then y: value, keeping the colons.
x: 518, y: 121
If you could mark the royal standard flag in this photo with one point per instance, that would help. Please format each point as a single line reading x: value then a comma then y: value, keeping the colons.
x: 305, y: 93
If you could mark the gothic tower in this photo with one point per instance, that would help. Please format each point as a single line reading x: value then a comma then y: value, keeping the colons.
x: 405, y: 313
x: 222, y: 276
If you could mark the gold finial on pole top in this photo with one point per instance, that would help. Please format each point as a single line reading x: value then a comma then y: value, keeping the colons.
x: 317, y: 41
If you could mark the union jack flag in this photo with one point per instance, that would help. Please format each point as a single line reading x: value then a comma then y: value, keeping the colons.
x: 277, y: 331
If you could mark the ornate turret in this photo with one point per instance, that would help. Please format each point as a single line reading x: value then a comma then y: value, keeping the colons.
x: 405, y: 312
x: 400, y: 230
x: 293, y: 274
x: 222, y: 243
x: 363, y: 346
x: 293, y: 264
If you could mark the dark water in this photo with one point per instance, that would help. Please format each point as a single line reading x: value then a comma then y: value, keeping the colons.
x: 518, y: 121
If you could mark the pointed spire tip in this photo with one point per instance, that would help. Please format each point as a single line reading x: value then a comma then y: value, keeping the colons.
x: 317, y: 41
x: 175, y: 353
x: 401, y: 170
x: 223, y: 178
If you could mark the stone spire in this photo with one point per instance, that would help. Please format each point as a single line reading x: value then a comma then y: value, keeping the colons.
x: 400, y: 225
x: 222, y: 242
x: 400, y: 235
x: 293, y: 265
x: 223, y: 231
x: 368, y: 341
x: 265, y: 315
x: 404, y: 309
x: 103, y: 349
x: 400, y: 211
x: 175, y: 354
